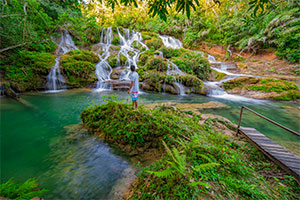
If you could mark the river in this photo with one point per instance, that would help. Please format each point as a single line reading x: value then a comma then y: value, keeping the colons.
x: 34, y: 144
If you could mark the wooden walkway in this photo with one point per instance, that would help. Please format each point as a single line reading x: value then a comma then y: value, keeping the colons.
x: 275, y: 152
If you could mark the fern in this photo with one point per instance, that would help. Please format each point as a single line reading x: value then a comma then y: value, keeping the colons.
x: 162, y: 174
x: 206, y: 166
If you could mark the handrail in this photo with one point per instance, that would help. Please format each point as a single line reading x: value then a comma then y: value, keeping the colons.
x: 260, y: 115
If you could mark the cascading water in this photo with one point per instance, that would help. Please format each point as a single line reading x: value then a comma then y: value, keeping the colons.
x: 171, y: 42
x: 212, y: 60
x: 173, y: 70
x: 55, y: 80
x: 213, y: 87
x: 103, y: 69
x: 132, y: 55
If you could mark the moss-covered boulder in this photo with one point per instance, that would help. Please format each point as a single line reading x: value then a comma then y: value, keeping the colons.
x: 156, y: 43
x: 145, y: 56
x: 194, y: 84
x: 189, y: 61
x: 156, y: 81
x: 216, y: 76
x: 158, y: 64
x: 28, y: 71
x: 152, y: 40
x: 79, y: 68
x: 265, y: 88
x: 169, y: 53
x: 113, y: 60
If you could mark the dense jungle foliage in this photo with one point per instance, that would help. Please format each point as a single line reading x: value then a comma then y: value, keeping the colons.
x: 232, y: 23
x: 29, y: 26
x: 198, y: 162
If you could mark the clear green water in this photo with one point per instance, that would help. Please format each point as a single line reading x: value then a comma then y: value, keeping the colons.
x: 33, y: 142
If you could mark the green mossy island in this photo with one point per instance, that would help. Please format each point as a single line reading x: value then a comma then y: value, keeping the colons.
x: 78, y: 66
x: 195, y: 160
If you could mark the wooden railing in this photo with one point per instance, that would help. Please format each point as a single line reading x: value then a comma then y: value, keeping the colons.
x: 260, y: 115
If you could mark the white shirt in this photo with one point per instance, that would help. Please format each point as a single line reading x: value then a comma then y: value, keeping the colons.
x: 134, y: 76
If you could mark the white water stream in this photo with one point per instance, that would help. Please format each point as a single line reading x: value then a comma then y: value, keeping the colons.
x: 56, y: 81
x: 103, y: 69
x: 214, y: 89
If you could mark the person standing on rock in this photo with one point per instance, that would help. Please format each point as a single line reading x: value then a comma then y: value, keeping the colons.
x: 134, y: 86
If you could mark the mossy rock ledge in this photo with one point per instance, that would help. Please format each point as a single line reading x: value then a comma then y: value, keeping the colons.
x: 263, y: 88
x: 28, y: 72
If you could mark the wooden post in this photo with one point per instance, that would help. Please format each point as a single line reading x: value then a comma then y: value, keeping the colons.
x: 239, y: 124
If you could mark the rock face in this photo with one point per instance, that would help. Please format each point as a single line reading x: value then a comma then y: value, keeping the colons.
x: 263, y: 88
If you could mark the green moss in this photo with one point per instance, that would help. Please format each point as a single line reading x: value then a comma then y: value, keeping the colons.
x: 155, y: 80
x: 79, y: 67
x: 123, y: 59
x: 219, y: 75
x: 148, y: 35
x: 28, y: 71
x: 83, y: 55
x: 115, y: 40
x: 115, y: 48
x: 190, y: 81
x: 239, y: 82
x: 144, y: 57
x: 156, y: 43
x: 274, y: 85
x: 169, y: 53
x: 193, y: 63
x: 286, y: 90
x: 112, y: 60
x: 158, y: 64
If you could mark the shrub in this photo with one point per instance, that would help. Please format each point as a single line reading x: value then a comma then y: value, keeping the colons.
x: 193, y: 63
x: 118, y: 122
x: 158, y: 64
x: 156, y: 43
x: 169, y: 53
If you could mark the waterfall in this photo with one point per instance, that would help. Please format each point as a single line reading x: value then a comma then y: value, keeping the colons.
x: 55, y: 80
x: 171, y: 42
x: 174, y: 71
x: 212, y: 60
x: 132, y: 55
x: 213, y: 87
x: 103, y: 69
